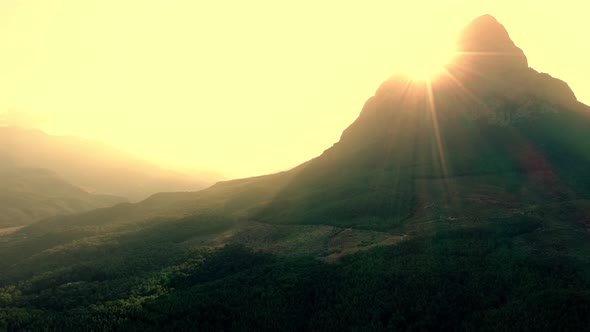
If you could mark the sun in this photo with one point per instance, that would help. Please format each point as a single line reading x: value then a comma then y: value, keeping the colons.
x: 425, y: 58
x: 425, y: 67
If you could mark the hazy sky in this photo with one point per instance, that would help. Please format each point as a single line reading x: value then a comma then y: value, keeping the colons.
x: 243, y: 87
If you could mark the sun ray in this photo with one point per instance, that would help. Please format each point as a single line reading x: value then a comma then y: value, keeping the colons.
x: 432, y: 108
x: 426, y: 61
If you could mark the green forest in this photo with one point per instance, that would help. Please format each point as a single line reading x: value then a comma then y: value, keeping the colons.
x: 515, y: 274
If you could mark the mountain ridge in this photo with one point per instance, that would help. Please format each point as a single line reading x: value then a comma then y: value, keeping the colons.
x: 28, y: 195
x: 93, y: 166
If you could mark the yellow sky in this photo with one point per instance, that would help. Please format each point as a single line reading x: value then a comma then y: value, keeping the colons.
x: 243, y: 87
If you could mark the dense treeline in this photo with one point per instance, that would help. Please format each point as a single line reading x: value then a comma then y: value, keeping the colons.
x: 511, y: 274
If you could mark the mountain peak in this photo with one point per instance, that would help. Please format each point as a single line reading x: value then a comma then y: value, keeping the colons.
x: 484, y: 42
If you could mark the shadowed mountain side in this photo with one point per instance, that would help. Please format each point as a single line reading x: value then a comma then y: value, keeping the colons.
x: 483, y: 169
x: 95, y: 167
x: 28, y: 195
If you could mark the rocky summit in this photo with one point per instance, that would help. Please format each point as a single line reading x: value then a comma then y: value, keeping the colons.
x: 485, y: 41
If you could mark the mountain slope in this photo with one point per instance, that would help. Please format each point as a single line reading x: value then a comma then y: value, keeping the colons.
x: 28, y: 195
x: 92, y: 166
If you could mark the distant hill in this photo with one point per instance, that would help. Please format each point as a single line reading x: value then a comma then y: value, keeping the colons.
x: 28, y: 195
x: 94, y: 167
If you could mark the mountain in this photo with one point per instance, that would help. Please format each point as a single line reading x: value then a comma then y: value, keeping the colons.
x: 460, y: 203
x: 28, y: 195
x: 492, y: 129
x: 95, y: 167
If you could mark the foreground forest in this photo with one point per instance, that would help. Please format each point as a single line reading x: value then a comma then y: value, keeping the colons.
x: 514, y: 273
